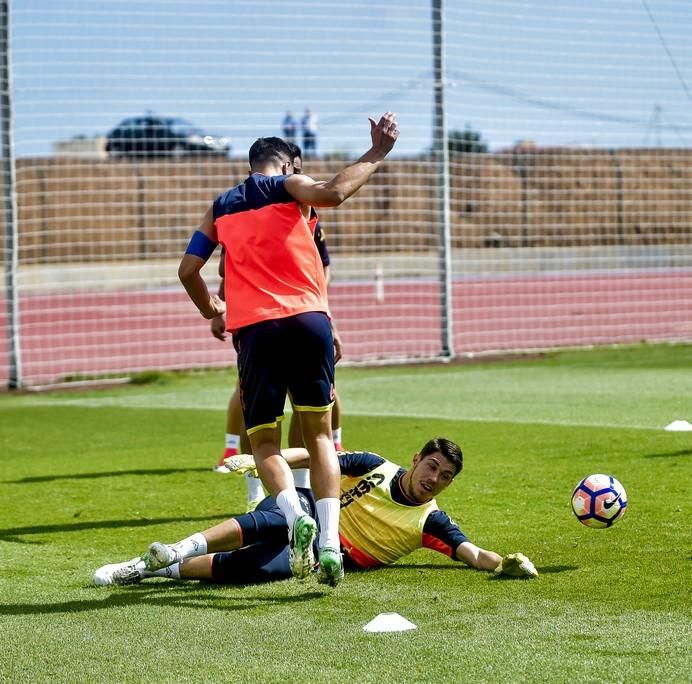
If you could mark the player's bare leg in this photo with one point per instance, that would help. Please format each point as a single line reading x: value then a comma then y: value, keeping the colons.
x: 197, y: 568
x: 325, y: 479
x: 301, y: 476
x: 336, y: 422
x: 234, y: 427
x: 163, y: 560
x: 237, y: 442
x: 278, y: 479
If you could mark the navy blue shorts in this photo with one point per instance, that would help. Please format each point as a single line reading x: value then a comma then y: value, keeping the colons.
x: 294, y: 354
x: 264, y: 556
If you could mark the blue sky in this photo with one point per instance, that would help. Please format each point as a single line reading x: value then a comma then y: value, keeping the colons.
x: 610, y: 74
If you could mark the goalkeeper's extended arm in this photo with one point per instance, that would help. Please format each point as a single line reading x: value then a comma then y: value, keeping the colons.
x: 476, y: 557
x: 513, y: 565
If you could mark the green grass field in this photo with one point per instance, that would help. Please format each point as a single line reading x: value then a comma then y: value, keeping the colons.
x: 92, y: 477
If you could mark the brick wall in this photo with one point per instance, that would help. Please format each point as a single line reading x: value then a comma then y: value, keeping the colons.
x: 83, y: 210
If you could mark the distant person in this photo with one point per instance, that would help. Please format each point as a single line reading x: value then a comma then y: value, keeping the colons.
x: 309, y: 125
x: 388, y: 512
x: 289, y: 126
x: 278, y: 314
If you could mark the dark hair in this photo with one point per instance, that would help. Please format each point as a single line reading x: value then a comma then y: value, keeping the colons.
x: 295, y: 150
x: 450, y: 450
x: 269, y: 151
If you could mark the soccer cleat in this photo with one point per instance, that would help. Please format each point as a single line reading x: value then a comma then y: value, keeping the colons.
x: 239, y: 464
x: 331, y: 568
x: 159, y: 556
x: 300, y: 554
x: 221, y: 467
x: 119, y: 573
x: 252, y: 504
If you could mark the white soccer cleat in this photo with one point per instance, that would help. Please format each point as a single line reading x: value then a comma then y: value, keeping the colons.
x: 119, y: 573
x: 220, y: 467
x: 159, y: 556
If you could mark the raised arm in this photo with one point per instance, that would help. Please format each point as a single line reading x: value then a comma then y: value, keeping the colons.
x: 332, y: 193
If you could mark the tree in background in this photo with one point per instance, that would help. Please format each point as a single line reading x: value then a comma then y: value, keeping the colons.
x: 467, y: 140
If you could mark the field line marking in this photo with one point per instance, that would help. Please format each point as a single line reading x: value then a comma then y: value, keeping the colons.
x: 122, y: 404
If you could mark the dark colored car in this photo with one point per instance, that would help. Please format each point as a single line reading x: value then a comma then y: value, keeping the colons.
x: 154, y: 136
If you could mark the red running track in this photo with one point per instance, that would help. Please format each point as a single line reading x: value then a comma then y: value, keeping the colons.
x: 66, y: 335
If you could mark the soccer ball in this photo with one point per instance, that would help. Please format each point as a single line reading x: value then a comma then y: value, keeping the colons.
x: 599, y: 501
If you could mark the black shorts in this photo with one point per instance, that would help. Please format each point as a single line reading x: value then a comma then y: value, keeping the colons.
x: 294, y: 354
x: 264, y: 558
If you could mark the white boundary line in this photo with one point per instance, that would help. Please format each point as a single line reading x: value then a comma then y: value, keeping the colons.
x: 128, y: 403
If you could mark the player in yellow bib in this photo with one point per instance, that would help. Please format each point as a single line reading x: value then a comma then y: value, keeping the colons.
x: 386, y: 513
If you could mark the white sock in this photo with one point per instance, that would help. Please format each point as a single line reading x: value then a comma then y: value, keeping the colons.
x: 254, y: 487
x: 195, y: 545
x: 232, y: 441
x: 328, y: 515
x: 301, y: 477
x: 287, y: 500
x: 172, y: 571
x: 336, y: 435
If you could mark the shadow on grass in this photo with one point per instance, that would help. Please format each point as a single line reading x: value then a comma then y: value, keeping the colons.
x: 671, y: 454
x: 181, y: 595
x: 12, y: 534
x: 554, y: 569
x: 542, y: 570
x: 456, y: 567
x: 113, y: 473
x: 425, y: 566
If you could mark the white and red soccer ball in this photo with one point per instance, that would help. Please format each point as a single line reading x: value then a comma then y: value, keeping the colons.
x: 599, y: 501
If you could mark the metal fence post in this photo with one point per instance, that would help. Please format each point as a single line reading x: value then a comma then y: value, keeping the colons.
x: 441, y: 157
x: 10, y: 201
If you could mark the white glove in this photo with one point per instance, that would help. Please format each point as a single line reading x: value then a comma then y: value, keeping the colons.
x: 516, y: 565
x: 241, y: 464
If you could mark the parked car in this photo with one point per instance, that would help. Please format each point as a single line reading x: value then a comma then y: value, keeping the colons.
x: 154, y: 136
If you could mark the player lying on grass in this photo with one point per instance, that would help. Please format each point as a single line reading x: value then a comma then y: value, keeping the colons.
x: 386, y: 513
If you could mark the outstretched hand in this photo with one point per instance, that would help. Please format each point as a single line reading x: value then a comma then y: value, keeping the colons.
x: 384, y: 133
x: 516, y: 565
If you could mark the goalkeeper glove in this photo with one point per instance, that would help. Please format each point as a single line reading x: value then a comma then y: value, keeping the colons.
x: 241, y: 464
x: 516, y: 565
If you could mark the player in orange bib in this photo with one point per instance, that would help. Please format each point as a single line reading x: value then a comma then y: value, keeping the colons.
x: 236, y: 439
x: 279, y: 317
